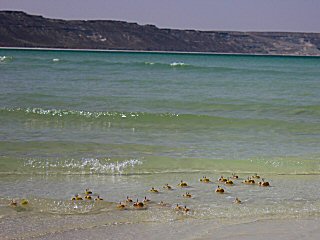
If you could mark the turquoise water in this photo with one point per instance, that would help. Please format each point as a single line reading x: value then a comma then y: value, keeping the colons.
x: 233, y: 113
x: 120, y: 122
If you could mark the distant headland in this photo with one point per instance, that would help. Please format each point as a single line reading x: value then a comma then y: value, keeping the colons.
x: 19, y: 29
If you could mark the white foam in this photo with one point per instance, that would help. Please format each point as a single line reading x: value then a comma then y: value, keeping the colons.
x: 5, y: 58
x: 94, y: 165
x: 55, y: 60
x: 177, y: 64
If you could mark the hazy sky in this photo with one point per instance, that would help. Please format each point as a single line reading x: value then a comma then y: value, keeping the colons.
x: 240, y: 15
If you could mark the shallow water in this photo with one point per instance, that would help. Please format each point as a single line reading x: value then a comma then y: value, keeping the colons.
x: 120, y: 123
x: 50, y: 208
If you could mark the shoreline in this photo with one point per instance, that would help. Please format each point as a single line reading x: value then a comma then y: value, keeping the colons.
x: 156, y: 52
x: 54, y: 217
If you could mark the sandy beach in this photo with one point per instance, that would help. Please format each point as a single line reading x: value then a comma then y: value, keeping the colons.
x: 289, y: 229
x: 186, y: 229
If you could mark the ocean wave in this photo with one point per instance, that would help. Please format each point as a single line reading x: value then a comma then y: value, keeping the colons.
x: 145, y: 164
x: 155, y: 65
x: 165, y: 65
x: 85, y: 165
x: 5, y: 59
x: 203, y: 68
x: 178, y: 64
x: 80, y: 113
x: 183, y: 66
x: 154, y: 165
x: 149, y: 63
x: 252, y: 113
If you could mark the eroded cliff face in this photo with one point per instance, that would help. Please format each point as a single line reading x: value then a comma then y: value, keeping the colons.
x: 18, y: 29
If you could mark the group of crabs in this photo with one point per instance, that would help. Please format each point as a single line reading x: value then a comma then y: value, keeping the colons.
x: 142, y: 204
x: 88, y: 195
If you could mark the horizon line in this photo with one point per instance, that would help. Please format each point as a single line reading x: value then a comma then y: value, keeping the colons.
x: 155, y: 52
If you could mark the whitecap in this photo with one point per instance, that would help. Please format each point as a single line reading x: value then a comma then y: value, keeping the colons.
x: 177, y: 64
x: 93, y: 165
x: 5, y: 59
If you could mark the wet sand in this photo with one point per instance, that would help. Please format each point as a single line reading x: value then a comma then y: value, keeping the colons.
x: 269, y: 229
x: 188, y: 229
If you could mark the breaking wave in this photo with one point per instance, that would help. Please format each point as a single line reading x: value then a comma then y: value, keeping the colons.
x: 85, y: 165
x: 5, y: 59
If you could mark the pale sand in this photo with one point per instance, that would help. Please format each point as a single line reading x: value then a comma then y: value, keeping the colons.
x: 192, y: 229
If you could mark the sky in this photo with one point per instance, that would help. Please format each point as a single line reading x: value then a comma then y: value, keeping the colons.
x: 230, y: 15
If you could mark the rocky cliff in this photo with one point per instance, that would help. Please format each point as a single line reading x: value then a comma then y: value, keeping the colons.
x: 18, y: 29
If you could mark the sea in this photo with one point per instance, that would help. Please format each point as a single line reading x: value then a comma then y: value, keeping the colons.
x: 120, y: 123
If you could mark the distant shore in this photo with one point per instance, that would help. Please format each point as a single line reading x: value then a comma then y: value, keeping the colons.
x: 20, y: 29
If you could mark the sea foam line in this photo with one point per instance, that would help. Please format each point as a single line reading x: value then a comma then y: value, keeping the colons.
x: 92, y: 165
x: 178, y: 64
x: 62, y: 112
